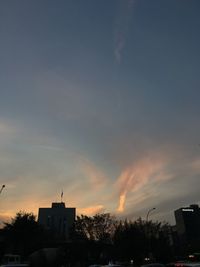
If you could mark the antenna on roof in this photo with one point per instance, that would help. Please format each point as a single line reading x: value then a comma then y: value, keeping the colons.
x: 61, y: 196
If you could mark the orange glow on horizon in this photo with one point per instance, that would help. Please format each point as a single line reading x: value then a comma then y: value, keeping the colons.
x: 92, y: 210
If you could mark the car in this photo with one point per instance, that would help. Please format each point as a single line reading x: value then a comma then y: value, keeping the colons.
x: 15, y: 265
x: 153, y: 265
x: 184, y: 264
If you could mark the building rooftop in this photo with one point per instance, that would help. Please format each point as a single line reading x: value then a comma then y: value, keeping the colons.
x: 58, y: 205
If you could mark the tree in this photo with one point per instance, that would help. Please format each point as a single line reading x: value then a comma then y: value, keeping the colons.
x: 100, y: 227
x: 138, y: 239
x: 23, y: 235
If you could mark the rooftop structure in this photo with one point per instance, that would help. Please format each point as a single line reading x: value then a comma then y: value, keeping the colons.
x: 58, y: 218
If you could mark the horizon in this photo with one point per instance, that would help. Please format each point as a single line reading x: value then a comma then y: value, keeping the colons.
x: 117, y: 215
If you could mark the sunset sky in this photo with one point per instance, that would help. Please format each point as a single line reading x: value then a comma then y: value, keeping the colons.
x: 100, y: 99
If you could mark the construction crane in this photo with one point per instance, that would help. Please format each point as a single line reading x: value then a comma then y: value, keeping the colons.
x: 2, y: 188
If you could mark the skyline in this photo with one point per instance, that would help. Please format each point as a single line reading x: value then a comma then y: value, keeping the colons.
x: 100, y: 99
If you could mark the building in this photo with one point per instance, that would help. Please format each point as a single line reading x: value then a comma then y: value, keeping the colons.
x: 58, y: 218
x: 188, y: 226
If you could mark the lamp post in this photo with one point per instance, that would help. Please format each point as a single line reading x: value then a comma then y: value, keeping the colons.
x: 2, y: 188
x: 149, y: 211
x: 148, y: 236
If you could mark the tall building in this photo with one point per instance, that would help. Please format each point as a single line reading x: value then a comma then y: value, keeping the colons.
x: 58, y: 218
x: 188, y: 226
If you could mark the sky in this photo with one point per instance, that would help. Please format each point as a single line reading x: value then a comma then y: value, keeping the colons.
x: 100, y: 99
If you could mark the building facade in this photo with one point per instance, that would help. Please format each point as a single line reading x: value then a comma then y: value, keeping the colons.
x: 58, y: 219
x: 188, y: 226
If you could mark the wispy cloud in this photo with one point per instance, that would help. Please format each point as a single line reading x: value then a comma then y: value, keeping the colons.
x: 122, y: 26
x: 122, y: 199
x: 91, y: 210
x: 139, y: 174
x: 97, y: 178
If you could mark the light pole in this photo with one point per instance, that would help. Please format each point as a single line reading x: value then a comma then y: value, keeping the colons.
x: 149, y: 211
x: 1, y: 191
x: 148, y: 236
x: 2, y: 188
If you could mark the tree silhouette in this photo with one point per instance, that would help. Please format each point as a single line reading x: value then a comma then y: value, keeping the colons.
x: 138, y: 239
x: 100, y: 227
x: 127, y: 240
x: 23, y: 235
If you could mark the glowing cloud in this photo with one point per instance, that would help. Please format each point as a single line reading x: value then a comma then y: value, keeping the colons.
x: 122, y: 199
x: 144, y: 171
x: 92, y: 210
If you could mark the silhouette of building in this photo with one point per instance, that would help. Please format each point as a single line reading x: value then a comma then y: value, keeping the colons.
x: 188, y: 226
x: 58, y: 218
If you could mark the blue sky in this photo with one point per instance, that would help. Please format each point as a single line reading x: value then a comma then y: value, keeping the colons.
x: 100, y: 99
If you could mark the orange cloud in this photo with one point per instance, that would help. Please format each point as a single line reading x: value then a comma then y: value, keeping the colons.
x: 134, y: 177
x: 92, y: 210
x: 122, y: 199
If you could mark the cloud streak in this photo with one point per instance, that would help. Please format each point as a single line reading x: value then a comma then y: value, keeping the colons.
x: 134, y: 177
x: 122, y: 27
x: 91, y: 210
x: 97, y: 178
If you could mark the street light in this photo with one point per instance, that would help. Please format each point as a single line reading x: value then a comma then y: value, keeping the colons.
x: 148, y: 235
x: 149, y: 211
x: 2, y: 188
